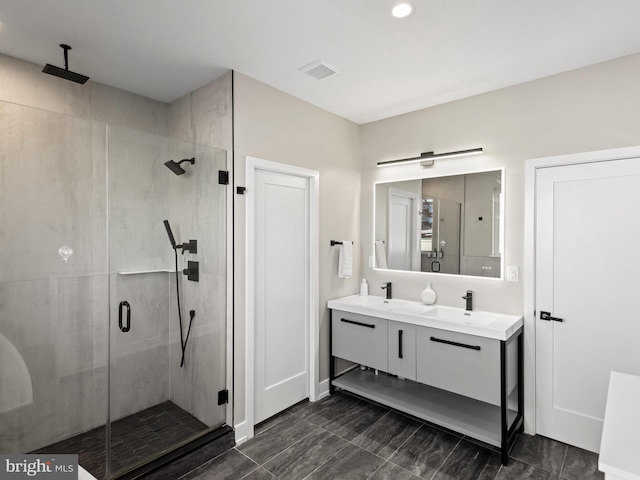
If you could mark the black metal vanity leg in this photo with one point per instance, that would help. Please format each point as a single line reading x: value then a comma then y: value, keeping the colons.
x: 504, y: 428
x: 521, y: 377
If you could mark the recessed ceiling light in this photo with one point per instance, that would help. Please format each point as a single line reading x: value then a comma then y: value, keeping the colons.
x: 402, y: 10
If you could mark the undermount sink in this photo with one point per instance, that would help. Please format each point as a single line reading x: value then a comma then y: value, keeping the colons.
x: 379, y: 303
x: 413, y: 309
x: 461, y: 316
x: 392, y: 305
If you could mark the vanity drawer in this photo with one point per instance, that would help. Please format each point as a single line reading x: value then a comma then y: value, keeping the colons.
x: 359, y: 338
x: 460, y: 363
x: 401, y: 343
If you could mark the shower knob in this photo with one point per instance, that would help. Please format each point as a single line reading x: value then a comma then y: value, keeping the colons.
x: 192, y: 271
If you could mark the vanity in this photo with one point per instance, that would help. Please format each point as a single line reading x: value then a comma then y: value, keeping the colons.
x: 457, y: 369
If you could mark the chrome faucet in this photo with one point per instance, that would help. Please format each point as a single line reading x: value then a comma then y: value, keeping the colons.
x: 469, y: 298
x: 387, y: 287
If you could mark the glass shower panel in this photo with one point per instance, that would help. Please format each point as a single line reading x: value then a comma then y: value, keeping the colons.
x: 53, y: 280
x: 167, y: 354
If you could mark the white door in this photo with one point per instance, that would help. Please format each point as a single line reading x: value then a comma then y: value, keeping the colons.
x: 281, y: 306
x: 587, y: 267
x: 403, y: 235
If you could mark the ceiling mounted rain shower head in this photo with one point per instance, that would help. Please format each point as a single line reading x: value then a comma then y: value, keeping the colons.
x: 65, y: 72
x: 175, y: 166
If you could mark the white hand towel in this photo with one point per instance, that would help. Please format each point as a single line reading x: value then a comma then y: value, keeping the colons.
x: 381, y: 255
x: 345, y: 261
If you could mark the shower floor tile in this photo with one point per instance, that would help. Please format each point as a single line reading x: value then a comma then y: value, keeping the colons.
x: 134, y: 438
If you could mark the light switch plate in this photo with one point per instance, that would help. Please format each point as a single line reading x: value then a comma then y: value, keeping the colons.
x: 370, y: 261
x: 513, y: 274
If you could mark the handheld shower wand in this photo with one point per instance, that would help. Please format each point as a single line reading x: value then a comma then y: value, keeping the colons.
x: 192, y: 313
x: 190, y: 246
x: 170, y: 233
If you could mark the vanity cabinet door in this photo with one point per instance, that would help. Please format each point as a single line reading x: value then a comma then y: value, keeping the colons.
x: 460, y: 363
x: 401, y: 342
x: 359, y: 338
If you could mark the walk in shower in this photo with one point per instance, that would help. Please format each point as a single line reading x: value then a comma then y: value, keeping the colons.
x: 93, y: 358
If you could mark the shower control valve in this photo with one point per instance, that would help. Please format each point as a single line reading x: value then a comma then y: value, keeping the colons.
x: 192, y: 271
x: 191, y: 246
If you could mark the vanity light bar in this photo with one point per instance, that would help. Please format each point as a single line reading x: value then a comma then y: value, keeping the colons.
x: 427, y: 158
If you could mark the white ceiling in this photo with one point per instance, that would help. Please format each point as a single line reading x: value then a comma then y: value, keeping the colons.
x: 449, y: 49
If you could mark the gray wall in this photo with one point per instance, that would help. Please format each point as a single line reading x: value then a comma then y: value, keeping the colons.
x: 588, y: 109
x: 272, y: 125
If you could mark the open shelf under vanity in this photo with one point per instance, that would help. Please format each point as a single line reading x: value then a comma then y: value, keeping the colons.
x: 476, y: 419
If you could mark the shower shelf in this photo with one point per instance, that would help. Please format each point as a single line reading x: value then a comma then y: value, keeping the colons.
x: 140, y: 272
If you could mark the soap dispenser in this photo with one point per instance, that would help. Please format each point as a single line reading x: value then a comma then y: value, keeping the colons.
x: 428, y: 296
x: 364, y: 288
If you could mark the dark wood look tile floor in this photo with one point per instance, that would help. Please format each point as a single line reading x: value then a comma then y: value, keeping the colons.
x: 343, y: 437
x: 134, y: 438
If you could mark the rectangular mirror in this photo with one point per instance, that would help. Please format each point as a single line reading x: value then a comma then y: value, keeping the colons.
x: 450, y: 224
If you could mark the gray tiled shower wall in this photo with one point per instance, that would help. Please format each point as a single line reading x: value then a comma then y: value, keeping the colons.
x: 53, y: 192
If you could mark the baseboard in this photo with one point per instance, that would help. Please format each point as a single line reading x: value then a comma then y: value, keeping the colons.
x: 323, y: 389
x: 242, y: 432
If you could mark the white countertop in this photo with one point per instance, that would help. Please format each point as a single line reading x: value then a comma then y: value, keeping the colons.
x: 620, y: 445
x: 484, y: 324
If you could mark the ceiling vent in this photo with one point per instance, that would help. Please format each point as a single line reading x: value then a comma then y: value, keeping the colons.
x: 319, y: 70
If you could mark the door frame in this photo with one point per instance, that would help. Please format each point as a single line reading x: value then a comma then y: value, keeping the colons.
x: 253, y: 164
x: 414, y: 228
x: 529, y: 277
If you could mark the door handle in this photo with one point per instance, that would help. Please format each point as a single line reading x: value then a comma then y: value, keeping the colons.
x: 400, y: 332
x: 547, y: 316
x: 127, y: 327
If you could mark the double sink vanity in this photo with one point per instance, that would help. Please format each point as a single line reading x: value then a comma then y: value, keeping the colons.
x: 458, y: 369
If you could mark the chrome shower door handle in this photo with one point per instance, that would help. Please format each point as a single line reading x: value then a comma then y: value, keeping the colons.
x: 127, y: 327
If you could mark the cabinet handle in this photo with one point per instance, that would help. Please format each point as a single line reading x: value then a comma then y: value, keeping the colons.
x: 456, y: 344
x: 368, y: 325
x: 400, y: 344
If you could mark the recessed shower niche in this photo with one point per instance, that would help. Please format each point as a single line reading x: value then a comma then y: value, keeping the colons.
x: 102, y: 363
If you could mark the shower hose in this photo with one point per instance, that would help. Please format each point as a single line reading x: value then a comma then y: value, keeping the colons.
x: 192, y: 313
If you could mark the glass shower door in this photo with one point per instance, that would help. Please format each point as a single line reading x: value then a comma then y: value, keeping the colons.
x: 167, y: 285
x: 53, y: 284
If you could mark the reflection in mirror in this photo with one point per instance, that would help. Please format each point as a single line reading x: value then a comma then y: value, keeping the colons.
x: 441, y: 224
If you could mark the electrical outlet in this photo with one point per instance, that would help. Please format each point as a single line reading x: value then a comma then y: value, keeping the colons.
x: 513, y: 274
